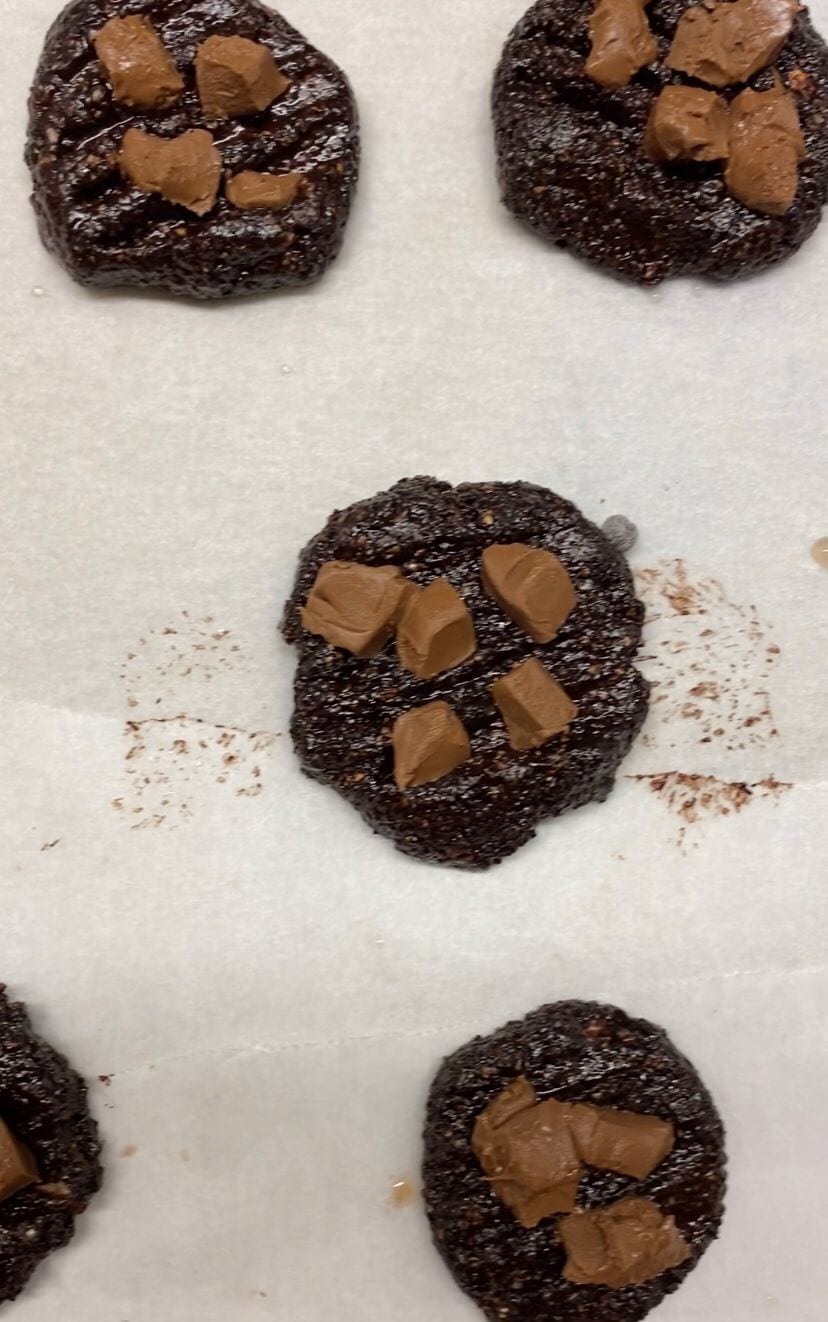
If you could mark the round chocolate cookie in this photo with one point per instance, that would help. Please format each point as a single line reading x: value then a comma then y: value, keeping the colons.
x: 571, y: 161
x: 43, y: 1107
x: 573, y: 1051
x: 108, y: 230
x: 345, y: 706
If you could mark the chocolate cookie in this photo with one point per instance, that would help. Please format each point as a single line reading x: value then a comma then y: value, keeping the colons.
x: 575, y: 1052
x: 572, y: 161
x: 255, y: 196
x: 49, y: 1149
x: 496, y: 782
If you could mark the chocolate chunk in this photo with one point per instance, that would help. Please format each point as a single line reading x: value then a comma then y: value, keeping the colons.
x: 355, y: 606
x: 622, y: 42
x: 526, y: 1150
x: 573, y: 1051
x: 429, y: 742
x: 185, y: 170
x: 627, y: 1243
x: 106, y: 232
x: 343, y: 713
x: 687, y: 124
x: 436, y: 631
x: 516, y: 1096
x: 17, y: 1165
x: 766, y: 146
x: 53, y: 1137
x: 533, y: 705
x: 729, y: 42
x: 250, y: 191
x: 137, y: 64
x: 237, y: 77
x: 621, y: 1141
x: 531, y: 585
x: 571, y: 165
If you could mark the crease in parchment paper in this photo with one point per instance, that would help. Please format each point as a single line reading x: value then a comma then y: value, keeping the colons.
x: 463, y: 1030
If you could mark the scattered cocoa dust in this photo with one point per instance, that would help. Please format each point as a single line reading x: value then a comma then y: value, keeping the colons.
x: 171, y: 759
x: 692, y: 797
x: 708, y: 659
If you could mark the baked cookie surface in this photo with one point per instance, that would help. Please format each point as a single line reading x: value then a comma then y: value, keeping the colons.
x: 43, y: 1105
x: 347, y: 706
x: 571, y: 162
x: 109, y: 231
x: 575, y: 1052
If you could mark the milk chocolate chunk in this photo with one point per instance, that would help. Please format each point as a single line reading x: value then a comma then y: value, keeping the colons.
x: 436, y: 631
x: 533, y: 705
x: 355, y: 606
x: 621, y: 1141
x: 527, y: 1153
x: 17, y: 1165
x: 137, y: 64
x: 429, y: 742
x: 626, y: 1243
x: 531, y: 585
x: 766, y: 146
x: 622, y: 42
x: 236, y: 77
x: 687, y: 124
x: 251, y: 191
x: 729, y: 42
x: 185, y: 170
x: 518, y: 1096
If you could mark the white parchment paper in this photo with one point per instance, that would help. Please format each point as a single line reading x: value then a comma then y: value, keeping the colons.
x: 269, y: 987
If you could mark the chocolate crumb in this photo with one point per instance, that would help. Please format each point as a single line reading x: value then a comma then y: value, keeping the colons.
x: 802, y: 83
x: 694, y: 798
x: 621, y: 531
x: 725, y: 670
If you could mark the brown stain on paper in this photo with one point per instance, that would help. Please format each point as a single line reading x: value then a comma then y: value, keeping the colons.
x: 404, y: 1193
x: 692, y: 797
x: 170, y: 756
x: 710, y: 661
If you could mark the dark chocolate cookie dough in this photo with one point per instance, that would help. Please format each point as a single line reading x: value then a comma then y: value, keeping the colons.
x: 571, y: 163
x: 109, y: 232
x: 573, y: 1051
x: 43, y: 1103
x: 345, y: 706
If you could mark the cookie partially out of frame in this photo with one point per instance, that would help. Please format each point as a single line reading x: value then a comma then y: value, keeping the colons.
x: 43, y: 1103
x: 109, y: 232
x: 571, y: 164
x: 573, y: 1051
x: 345, y: 706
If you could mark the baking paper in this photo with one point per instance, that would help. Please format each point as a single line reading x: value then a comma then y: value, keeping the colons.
x: 264, y: 987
